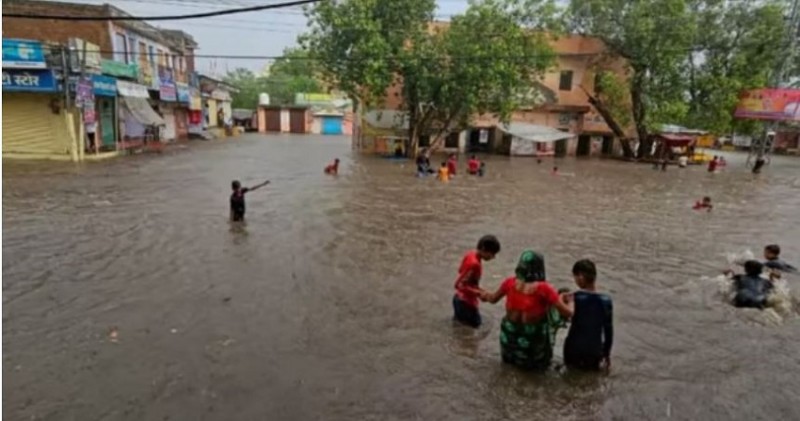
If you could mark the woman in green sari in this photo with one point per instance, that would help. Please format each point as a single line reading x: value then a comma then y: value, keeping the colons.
x: 534, y: 311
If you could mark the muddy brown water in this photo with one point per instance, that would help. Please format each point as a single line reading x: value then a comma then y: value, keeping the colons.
x: 333, y: 302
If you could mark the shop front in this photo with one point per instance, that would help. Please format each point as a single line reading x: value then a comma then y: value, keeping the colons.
x: 182, y: 111
x: 139, y: 122
x: 105, y: 93
x: 34, y: 119
x: 168, y: 96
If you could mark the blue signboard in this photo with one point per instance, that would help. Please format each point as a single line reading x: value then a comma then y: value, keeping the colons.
x: 183, y: 93
x: 41, y: 80
x: 23, y: 54
x: 104, y: 85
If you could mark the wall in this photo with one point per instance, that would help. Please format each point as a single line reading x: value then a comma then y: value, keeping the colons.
x: 58, y: 31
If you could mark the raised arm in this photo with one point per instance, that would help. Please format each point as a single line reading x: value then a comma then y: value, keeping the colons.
x: 257, y: 186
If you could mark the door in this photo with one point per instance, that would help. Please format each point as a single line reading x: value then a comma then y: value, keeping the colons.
x: 273, y: 118
x: 331, y: 125
x: 561, y: 148
x: 584, y: 146
x: 169, y: 123
x: 297, y: 121
x: 108, y: 130
x: 608, y: 145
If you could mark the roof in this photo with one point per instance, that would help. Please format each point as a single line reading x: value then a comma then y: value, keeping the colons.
x: 535, y: 133
x: 673, y: 140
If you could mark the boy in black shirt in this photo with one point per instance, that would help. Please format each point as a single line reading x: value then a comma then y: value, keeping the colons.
x: 237, y: 199
x: 591, y: 331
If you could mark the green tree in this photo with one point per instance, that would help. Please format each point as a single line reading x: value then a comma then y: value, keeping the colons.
x: 654, y: 36
x: 482, y: 62
x: 248, y: 85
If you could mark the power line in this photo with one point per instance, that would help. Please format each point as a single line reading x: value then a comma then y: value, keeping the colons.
x: 156, y: 18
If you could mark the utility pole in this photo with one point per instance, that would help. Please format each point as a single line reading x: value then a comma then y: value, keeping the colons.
x: 763, y: 147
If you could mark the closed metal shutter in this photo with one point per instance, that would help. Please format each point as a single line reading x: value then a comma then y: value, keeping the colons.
x: 30, y: 127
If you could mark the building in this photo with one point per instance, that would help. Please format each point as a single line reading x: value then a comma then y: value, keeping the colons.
x: 216, y: 104
x: 562, y: 105
x: 130, y: 81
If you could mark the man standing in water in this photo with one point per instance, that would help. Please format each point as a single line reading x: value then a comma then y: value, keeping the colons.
x: 237, y: 199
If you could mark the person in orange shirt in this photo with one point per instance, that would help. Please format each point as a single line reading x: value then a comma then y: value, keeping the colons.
x: 444, y: 173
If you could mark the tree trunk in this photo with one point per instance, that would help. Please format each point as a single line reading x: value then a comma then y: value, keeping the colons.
x: 413, y: 132
x: 640, y: 113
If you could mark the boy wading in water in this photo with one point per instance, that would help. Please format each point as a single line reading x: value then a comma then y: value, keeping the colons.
x: 237, y: 199
x: 591, y: 333
x: 468, y: 291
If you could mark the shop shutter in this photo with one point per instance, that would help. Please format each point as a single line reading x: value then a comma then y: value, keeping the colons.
x: 30, y: 127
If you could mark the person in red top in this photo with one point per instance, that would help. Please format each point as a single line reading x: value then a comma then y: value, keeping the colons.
x: 468, y: 291
x: 533, y: 314
x: 473, y: 165
x: 712, y: 165
x: 452, y: 165
x: 333, y: 168
x: 705, y: 204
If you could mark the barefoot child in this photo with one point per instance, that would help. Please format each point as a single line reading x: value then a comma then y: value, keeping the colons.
x: 237, y: 199
x: 591, y: 333
x: 468, y: 291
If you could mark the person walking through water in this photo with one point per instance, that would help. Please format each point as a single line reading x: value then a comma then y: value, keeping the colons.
x: 237, y: 199
x: 534, y: 312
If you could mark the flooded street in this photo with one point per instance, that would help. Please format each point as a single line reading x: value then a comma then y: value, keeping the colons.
x: 334, y: 301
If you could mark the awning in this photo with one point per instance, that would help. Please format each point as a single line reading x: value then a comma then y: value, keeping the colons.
x: 675, y: 140
x: 535, y: 133
x: 142, y: 111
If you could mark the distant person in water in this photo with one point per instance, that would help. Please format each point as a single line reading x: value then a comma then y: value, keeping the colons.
x: 555, y: 170
x: 759, y: 163
x: 237, y: 199
x: 712, y: 165
x: 703, y: 204
x: 452, y: 165
x: 591, y: 331
x: 473, y: 165
x: 332, y: 168
x: 482, y: 169
x: 467, y: 285
x: 398, y: 152
x: 444, y: 173
x: 772, y: 256
x: 751, y: 289
x: 423, y: 165
x: 664, y: 164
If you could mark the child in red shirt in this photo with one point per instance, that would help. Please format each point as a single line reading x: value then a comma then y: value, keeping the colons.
x: 452, y: 165
x: 473, y: 165
x: 333, y: 168
x: 705, y: 204
x: 468, y: 291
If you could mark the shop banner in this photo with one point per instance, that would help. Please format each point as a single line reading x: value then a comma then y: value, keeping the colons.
x: 195, y: 100
x: 166, y: 88
x: 769, y: 104
x: 104, y: 85
x: 119, y: 69
x: 91, y: 62
x: 89, y: 113
x: 84, y: 92
x: 184, y: 95
x: 133, y: 90
x: 41, y: 80
x: 22, y: 54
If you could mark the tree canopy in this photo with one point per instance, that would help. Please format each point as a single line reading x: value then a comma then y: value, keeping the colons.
x: 482, y: 61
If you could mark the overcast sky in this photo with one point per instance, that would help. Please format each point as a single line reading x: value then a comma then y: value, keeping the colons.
x: 264, y: 33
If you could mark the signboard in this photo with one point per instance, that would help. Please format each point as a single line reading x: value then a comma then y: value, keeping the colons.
x: 92, y: 60
x: 22, y: 54
x: 196, y: 101
x: 84, y: 92
x: 166, y: 88
x: 147, y: 78
x: 40, y: 80
x: 104, y: 85
x: 89, y: 113
x: 184, y: 95
x: 769, y: 104
x: 221, y: 95
x: 132, y: 89
x: 483, y: 137
x: 120, y: 69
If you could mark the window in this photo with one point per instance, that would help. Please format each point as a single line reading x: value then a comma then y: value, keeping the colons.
x: 132, y: 50
x: 120, y: 48
x: 152, y: 52
x: 161, y: 58
x: 565, y: 83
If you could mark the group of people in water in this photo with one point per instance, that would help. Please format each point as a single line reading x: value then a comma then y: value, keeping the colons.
x: 535, y: 310
x: 449, y: 168
x: 751, y: 287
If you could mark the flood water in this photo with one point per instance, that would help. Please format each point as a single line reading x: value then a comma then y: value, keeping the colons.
x: 128, y: 295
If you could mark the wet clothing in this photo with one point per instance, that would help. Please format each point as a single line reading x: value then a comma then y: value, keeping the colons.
x: 452, y: 166
x: 237, y: 204
x: 751, y: 291
x: 444, y: 175
x: 712, y: 165
x: 530, y: 345
x: 780, y: 265
x: 469, y: 275
x: 534, y: 306
x: 481, y: 170
x: 466, y: 313
x: 757, y: 167
x: 700, y: 205
x: 473, y: 165
x: 591, y: 331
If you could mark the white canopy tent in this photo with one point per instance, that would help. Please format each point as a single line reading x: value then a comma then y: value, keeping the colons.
x: 525, y: 136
